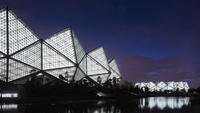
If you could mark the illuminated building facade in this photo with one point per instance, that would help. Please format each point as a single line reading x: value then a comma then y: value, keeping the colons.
x: 60, y: 56
x: 163, y: 86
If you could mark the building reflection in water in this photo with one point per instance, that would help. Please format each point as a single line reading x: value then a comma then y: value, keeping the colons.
x: 164, y: 102
x: 141, y: 105
x: 8, y: 107
x: 110, y: 109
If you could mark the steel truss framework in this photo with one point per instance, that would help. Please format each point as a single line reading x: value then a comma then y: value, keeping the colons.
x: 61, y: 56
x: 163, y: 86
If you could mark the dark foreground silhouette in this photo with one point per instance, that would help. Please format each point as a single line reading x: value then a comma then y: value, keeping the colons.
x: 57, y: 91
x: 140, y: 105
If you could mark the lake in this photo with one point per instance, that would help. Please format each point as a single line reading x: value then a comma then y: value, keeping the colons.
x: 140, y: 105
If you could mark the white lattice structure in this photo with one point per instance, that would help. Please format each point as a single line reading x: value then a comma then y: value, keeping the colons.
x: 19, y: 53
x: 60, y: 56
x: 115, y: 73
x: 97, y: 66
x: 163, y: 86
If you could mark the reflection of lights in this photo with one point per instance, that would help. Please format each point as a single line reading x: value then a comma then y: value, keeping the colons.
x: 142, y: 102
x: 9, y: 95
x: 164, y: 102
x: 111, y: 109
x: 101, y: 103
x: 9, y: 106
x: 161, y: 102
x: 151, y: 103
x: 100, y: 94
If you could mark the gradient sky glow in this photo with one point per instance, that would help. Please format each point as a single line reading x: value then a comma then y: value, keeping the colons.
x: 152, y: 40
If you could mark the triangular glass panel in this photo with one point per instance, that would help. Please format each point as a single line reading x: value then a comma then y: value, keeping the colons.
x: 99, y: 55
x: 20, y: 35
x: 114, y: 69
x: 63, y: 42
x: 113, y: 74
x: 170, y: 86
x: 114, y: 66
x: 79, y: 75
x: 65, y: 74
x: 161, y: 84
x: 80, y: 52
x: 93, y: 67
x: 52, y: 59
x: 151, y: 85
x: 100, y: 78
x: 83, y: 64
x: 18, y: 70
x: 3, y: 36
x: 30, y: 55
x: 3, y: 69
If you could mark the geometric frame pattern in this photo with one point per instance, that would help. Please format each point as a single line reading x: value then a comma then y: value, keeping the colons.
x: 163, y: 86
x: 23, y: 53
x: 115, y: 73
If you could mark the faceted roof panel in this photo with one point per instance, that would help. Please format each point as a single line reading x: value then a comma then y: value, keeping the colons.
x: 94, y: 67
x: 52, y: 59
x: 181, y: 85
x: 79, y: 75
x: 3, y: 69
x: 99, y: 55
x: 80, y: 52
x: 170, y: 85
x: 114, y: 66
x: 151, y: 85
x: 143, y: 84
x: 67, y: 73
x: 18, y: 70
x: 114, y: 69
x: 161, y: 84
x: 97, y: 64
x: 20, y: 35
x: 185, y: 84
x: 31, y: 55
x: 83, y: 64
x: 81, y: 71
x: 63, y: 42
x: 3, y: 31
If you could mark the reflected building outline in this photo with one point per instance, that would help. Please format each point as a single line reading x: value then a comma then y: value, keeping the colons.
x: 164, y: 102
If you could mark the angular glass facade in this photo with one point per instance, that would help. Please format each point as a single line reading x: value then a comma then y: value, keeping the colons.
x: 115, y: 73
x: 16, y: 47
x: 61, y: 55
x: 97, y: 65
x: 163, y: 86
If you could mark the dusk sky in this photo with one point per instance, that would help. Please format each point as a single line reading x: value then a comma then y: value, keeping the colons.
x: 152, y: 40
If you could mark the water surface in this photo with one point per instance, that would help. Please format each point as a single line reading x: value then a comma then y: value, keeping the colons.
x: 140, y: 105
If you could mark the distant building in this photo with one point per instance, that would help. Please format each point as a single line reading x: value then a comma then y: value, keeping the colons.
x: 163, y: 86
x: 61, y: 56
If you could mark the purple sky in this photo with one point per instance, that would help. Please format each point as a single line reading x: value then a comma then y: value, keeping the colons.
x: 152, y: 40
